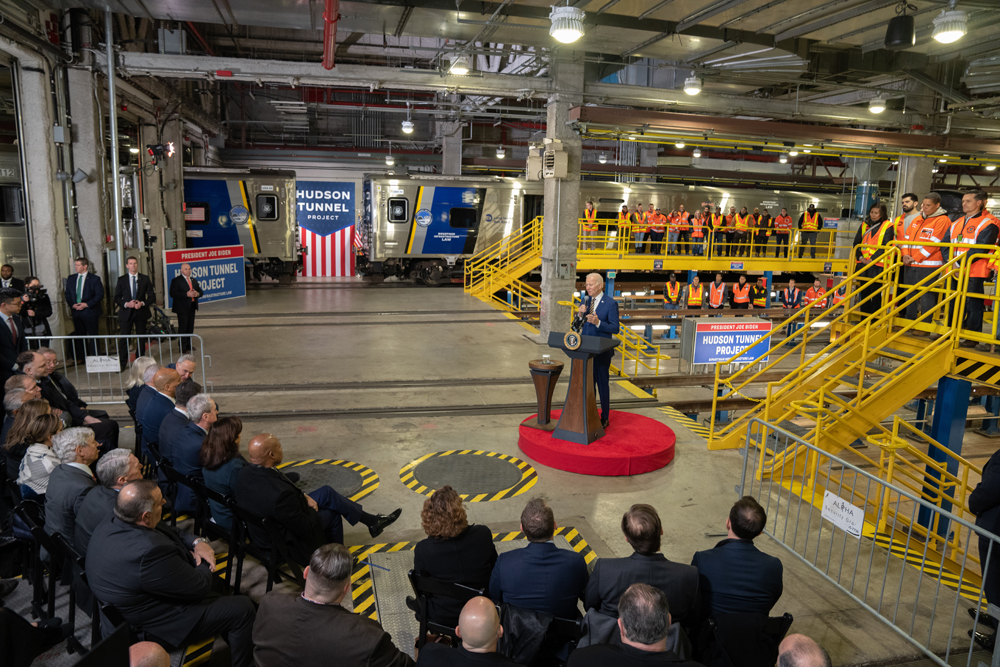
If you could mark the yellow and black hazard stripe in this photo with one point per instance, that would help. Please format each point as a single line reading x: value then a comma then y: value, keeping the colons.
x: 977, y: 368
x: 969, y: 590
x: 369, y: 479
x: 685, y: 421
x: 363, y: 595
x: 413, y: 222
x: 253, y: 228
x: 528, y: 476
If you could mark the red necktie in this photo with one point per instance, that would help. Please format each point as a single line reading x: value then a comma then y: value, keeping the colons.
x: 13, y: 329
x: 190, y: 287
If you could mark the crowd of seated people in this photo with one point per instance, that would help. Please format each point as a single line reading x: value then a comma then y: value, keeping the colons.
x: 163, y: 581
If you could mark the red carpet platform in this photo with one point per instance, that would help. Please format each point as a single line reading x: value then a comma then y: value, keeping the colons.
x: 633, y: 445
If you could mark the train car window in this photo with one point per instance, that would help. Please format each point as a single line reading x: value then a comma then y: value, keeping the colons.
x: 267, y: 207
x: 399, y: 210
x: 195, y: 213
x: 608, y: 200
x: 11, y: 212
x: 463, y: 218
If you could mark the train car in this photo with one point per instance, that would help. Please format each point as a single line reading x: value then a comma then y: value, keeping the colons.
x: 14, y: 247
x: 425, y: 227
x: 254, y: 208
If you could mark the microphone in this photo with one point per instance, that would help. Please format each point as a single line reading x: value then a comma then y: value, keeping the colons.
x: 578, y: 319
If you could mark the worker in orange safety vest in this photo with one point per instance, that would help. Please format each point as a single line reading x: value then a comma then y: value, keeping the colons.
x: 638, y: 222
x: 698, y: 233
x: 624, y: 228
x: 758, y: 294
x: 919, y: 260
x: 717, y: 294
x: 873, y: 237
x: 718, y: 224
x: 693, y: 296
x: 682, y: 220
x: 761, y: 231
x: 809, y: 224
x: 741, y: 294
x: 590, y: 226
x: 672, y: 293
x: 782, y: 231
x: 976, y: 227
x: 815, y: 296
x: 741, y: 225
x: 657, y: 227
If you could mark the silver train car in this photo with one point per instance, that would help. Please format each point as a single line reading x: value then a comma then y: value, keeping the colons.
x: 14, y: 245
x: 425, y: 227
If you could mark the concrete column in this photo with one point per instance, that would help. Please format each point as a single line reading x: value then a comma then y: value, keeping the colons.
x: 164, y: 195
x: 562, y: 200
x: 914, y: 176
x: 451, y: 148
x: 89, y: 156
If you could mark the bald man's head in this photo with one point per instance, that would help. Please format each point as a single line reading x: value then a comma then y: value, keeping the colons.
x: 265, y: 450
x: 801, y: 651
x: 166, y: 380
x: 479, y: 626
x: 148, y: 654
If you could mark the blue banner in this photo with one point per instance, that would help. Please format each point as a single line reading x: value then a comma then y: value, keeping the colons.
x: 324, y: 207
x: 219, y: 271
x: 720, y: 341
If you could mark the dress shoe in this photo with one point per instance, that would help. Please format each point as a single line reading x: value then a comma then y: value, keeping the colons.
x: 293, y: 477
x: 968, y: 343
x: 983, y: 618
x: 605, y: 422
x: 984, y: 640
x: 983, y: 347
x: 383, y: 520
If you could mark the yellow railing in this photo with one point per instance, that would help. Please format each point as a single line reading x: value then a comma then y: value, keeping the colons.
x: 502, y: 260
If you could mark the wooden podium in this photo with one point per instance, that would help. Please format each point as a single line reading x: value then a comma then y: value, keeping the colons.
x: 580, y: 421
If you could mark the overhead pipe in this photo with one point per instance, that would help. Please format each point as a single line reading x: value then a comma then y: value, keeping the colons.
x: 330, y: 18
x: 113, y: 127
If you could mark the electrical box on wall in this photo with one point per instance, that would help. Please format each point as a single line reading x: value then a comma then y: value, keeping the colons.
x: 534, y: 168
x: 566, y: 271
x: 555, y: 161
x: 172, y: 41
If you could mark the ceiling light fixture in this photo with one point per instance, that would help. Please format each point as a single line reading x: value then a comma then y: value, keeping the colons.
x: 990, y: 167
x: 501, y: 153
x: 942, y: 160
x: 692, y: 85
x: 679, y: 144
x: 567, y: 24
x: 783, y: 158
x: 407, y: 127
x: 133, y: 150
x: 877, y: 105
x: 602, y: 158
x: 697, y: 152
x: 934, y: 170
x: 459, y: 64
x: 951, y: 24
x: 793, y: 152
x: 807, y: 150
x: 389, y: 159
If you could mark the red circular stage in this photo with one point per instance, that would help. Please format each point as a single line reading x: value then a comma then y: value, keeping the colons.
x: 633, y: 445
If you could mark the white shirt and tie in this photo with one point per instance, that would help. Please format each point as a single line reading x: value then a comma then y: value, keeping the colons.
x: 133, y: 279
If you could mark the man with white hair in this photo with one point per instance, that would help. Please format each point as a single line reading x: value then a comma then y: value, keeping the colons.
x: 185, y: 446
x: 70, y: 482
x: 601, y: 313
x: 185, y: 366
x: 115, y: 469
x: 148, y: 390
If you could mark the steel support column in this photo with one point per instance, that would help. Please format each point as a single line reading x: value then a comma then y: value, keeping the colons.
x: 951, y: 408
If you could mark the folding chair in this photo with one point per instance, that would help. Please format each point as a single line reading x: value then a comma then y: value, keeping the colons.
x: 272, y: 555
x: 425, y: 588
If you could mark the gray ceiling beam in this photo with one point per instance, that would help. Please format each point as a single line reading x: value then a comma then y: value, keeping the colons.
x: 944, y: 91
x: 833, y: 19
x: 655, y: 8
x: 707, y: 13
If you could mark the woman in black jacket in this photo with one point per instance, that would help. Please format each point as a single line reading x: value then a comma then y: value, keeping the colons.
x: 36, y: 312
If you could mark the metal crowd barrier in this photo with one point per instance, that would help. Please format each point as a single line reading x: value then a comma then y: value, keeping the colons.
x: 852, y: 529
x: 93, y: 363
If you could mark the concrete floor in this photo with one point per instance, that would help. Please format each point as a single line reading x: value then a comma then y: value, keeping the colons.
x: 282, y: 348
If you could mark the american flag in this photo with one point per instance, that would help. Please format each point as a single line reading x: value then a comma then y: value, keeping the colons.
x: 328, y: 256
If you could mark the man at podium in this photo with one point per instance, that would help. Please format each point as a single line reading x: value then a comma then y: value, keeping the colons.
x: 601, y: 313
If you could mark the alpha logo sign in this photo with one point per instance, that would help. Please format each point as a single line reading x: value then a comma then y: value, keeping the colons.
x: 714, y: 342
x: 324, y: 207
x: 218, y: 270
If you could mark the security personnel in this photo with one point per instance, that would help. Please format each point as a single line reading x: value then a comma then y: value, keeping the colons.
x: 815, y: 295
x: 758, y: 294
x: 870, y: 243
x: 976, y: 227
x: 717, y: 294
x: 657, y: 227
x: 910, y: 204
x: 638, y: 221
x: 672, y: 293
x: 741, y: 294
x: 931, y: 226
x: 624, y: 228
x: 693, y: 296
x: 761, y: 232
x: 782, y: 231
x: 698, y: 232
x: 590, y: 225
x: 809, y: 224
x: 718, y: 224
x: 683, y: 221
x: 741, y: 226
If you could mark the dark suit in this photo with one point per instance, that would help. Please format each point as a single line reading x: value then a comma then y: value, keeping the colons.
x: 612, y: 576
x: 607, y: 327
x: 185, y: 448
x: 622, y: 655
x: 158, y: 407
x: 61, y: 394
x: 15, y: 283
x: 439, y: 655
x: 466, y: 559
x: 541, y: 577
x: 738, y: 578
x: 984, y: 502
x: 142, y: 400
x: 129, y: 318
x: 97, y: 506
x: 291, y: 630
x: 9, y: 348
x: 85, y: 321
x: 150, y: 576
x: 170, y: 429
x: 68, y: 487
x: 184, y: 306
x: 132, y: 402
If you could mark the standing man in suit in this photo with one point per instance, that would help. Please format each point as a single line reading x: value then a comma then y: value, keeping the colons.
x: 133, y: 294
x: 602, y: 320
x: 162, y: 581
x: 184, y: 291
x: 12, y: 342
x: 115, y: 469
x: 736, y: 577
x: 7, y: 279
x: 85, y: 296
x: 70, y: 482
x: 984, y: 502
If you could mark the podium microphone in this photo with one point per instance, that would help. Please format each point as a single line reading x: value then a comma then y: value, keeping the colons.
x: 578, y: 319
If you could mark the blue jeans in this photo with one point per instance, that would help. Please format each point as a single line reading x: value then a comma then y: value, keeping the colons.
x: 672, y: 242
x: 671, y: 306
x: 333, y: 508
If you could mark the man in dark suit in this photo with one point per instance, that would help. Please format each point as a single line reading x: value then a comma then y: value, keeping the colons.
x: 312, y: 628
x: 736, y: 577
x: 601, y: 320
x: 541, y: 576
x: 70, y: 482
x: 185, y: 446
x: 12, y: 341
x: 479, y: 629
x: 184, y: 292
x: 984, y: 501
x: 115, y: 469
x: 148, y: 390
x: 612, y: 576
x: 309, y: 521
x: 176, y: 421
x: 643, y: 622
x: 161, y: 581
x: 85, y: 297
x: 7, y: 279
x: 159, y: 405
x: 133, y: 294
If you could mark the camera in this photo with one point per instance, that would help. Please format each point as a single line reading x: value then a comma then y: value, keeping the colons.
x: 33, y: 294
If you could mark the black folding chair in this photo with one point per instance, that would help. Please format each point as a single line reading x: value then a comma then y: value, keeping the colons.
x: 741, y: 640
x: 173, y: 479
x: 69, y: 558
x: 425, y: 588
x: 272, y: 555
x: 32, y: 517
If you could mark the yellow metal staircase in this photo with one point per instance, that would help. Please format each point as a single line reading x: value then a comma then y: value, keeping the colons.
x: 496, y: 270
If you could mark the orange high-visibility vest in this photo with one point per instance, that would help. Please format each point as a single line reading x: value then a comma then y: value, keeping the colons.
x: 591, y: 220
x: 672, y: 293
x: 783, y: 224
x: 870, y: 241
x: 638, y: 222
x: 930, y: 230
x: 658, y: 223
x: 718, y: 221
x: 811, y: 222
x: 742, y: 223
x: 792, y: 297
x: 838, y: 296
x: 741, y: 294
x: 682, y: 220
x: 716, y: 294
x: 694, y: 295
x: 812, y: 295
x: 623, y: 221
x: 966, y: 233
x: 898, y: 224
x: 760, y: 299
x: 729, y: 221
x: 697, y: 227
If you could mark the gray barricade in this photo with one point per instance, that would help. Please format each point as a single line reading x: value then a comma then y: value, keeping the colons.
x: 870, y: 539
x: 92, y: 363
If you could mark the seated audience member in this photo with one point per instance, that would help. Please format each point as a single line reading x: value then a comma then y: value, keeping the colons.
x: 186, y: 446
x: 454, y: 552
x: 801, y: 651
x: 12, y: 401
x: 612, y: 576
x: 32, y: 364
x: 176, y: 421
x: 147, y: 391
x: 148, y: 654
x: 643, y: 621
x: 312, y: 628
x: 134, y: 383
x: 479, y: 629
x: 541, y: 576
x: 161, y: 581
x: 160, y: 404
x: 736, y: 577
x: 115, y: 469
x: 69, y: 483
x: 17, y: 441
x: 39, y: 460
x: 221, y: 463
x: 185, y: 366
x: 309, y: 521
x: 23, y: 383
